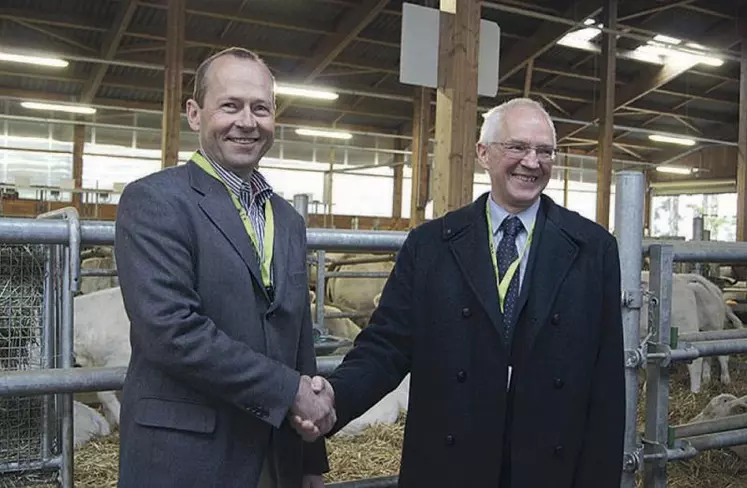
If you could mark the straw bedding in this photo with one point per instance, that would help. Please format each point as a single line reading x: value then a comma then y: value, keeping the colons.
x: 376, y: 452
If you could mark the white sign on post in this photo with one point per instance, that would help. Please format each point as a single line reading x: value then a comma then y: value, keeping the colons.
x: 418, y: 60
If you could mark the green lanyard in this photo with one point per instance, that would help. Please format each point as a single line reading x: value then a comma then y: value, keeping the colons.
x: 266, y: 256
x: 506, y: 281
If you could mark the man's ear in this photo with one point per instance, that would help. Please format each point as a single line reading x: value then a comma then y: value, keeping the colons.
x: 193, y: 114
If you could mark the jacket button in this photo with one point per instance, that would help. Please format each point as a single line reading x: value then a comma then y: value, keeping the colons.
x: 558, y: 450
x: 466, y: 312
x: 461, y: 376
x: 555, y: 320
x: 558, y: 383
x: 449, y: 440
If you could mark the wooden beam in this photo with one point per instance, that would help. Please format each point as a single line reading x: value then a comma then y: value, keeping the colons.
x: 742, y: 147
x: 607, y: 106
x: 544, y: 38
x: 456, y: 105
x: 528, y: 78
x: 347, y: 29
x: 420, y: 176
x: 172, y: 98
x: 109, y: 48
x: 79, y: 142
x: 646, y: 82
x: 399, y: 177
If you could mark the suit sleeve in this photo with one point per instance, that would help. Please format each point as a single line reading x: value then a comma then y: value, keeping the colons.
x: 602, y: 452
x: 381, y: 355
x: 315, y: 453
x: 155, y: 262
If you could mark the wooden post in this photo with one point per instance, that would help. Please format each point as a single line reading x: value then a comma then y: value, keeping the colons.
x: 79, y: 142
x: 742, y: 141
x: 172, y: 94
x: 399, y: 176
x: 456, y: 105
x: 421, y: 128
x: 606, y: 119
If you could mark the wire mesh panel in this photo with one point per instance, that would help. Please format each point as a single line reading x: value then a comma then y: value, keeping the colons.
x: 24, y: 442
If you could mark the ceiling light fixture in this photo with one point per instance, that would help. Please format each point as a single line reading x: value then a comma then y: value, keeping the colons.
x: 324, y: 133
x: 75, y: 109
x: 677, y: 170
x: 35, y: 60
x: 673, y: 140
x: 305, y: 92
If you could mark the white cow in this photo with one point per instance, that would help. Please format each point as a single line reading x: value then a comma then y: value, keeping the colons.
x: 357, y: 293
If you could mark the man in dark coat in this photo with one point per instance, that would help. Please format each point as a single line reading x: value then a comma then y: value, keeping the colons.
x: 212, y: 266
x: 507, y: 314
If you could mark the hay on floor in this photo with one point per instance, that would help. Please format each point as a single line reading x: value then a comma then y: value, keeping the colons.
x: 376, y: 452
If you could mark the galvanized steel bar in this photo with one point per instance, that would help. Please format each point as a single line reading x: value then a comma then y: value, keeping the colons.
x: 59, y: 381
x: 355, y: 240
x: 48, y: 350
x: 693, y: 350
x: 713, y: 335
x: 26, y: 466
x: 698, y: 236
x: 321, y: 290
x: 357, y: 274
x: 80, y: 380
x: 703, y: 251
x: 383, y: 482
x: 657, y: 375
x: 629, y: 232
x: 719, y: 440
x: 98, y: 272
x: 732, y: 422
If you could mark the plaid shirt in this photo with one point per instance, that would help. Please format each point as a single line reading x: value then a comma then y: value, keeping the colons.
x: 252, y: 195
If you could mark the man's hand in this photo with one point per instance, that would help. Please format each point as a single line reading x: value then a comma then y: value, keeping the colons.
x: 313, y: 413
x: 312, y: 481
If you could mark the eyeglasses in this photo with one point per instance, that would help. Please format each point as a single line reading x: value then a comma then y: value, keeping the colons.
x: 519, y: 150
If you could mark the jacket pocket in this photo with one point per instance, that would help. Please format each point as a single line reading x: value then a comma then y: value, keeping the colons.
x: 175, y: 414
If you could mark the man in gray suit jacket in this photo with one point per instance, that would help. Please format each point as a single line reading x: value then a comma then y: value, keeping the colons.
x: 213, y: 273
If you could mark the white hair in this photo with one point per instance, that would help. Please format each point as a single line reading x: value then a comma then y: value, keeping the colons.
x: 491, y: 126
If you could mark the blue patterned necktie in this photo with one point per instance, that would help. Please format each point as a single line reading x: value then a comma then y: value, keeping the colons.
x: 507, y: 253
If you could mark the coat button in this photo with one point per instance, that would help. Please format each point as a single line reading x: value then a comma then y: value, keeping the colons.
x: 558, y: 383
x: 555, y: 320
x: 461, y: 376
x: 449, y: 439
x: 466, y: 312
x: 558, y: 450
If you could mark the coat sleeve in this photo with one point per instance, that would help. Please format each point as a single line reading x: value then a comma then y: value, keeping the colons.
x: 601, y: 459
x: 381, y: 355
x: 155, y: 261
x: 315, y: 453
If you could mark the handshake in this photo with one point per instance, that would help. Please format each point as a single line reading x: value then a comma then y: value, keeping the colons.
x: 313, y: 412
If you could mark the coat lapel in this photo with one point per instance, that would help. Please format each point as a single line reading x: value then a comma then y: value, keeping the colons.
x: 279, y: 252
x: 555, y: 253
x: 217, y: 205
x: 468, y: 242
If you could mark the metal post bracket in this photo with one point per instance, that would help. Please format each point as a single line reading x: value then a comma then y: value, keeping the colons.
x: 632, y: 299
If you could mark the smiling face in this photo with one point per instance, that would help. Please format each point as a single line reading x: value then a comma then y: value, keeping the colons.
x: 520, y: 159
x: 236, y: 121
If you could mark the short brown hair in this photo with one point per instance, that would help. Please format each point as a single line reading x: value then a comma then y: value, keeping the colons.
x: 200, y: 87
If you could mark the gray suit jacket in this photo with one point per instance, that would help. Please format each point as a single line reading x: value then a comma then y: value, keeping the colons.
x: 215, y: 364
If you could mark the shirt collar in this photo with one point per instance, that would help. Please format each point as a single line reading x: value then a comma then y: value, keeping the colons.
x: 257, y: 186
x: 498, y: 214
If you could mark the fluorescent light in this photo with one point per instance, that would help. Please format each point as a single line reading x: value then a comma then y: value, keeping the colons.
x: 589, y: 21
x: 659, y: 53
x: 677, y: 170
x: 324, y: 133
x: 674, y: 140
x: 666, y: 39
x: 306, y: 92
x: 76, y: 109
x: 40, y: 61
x: 581, y: 39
